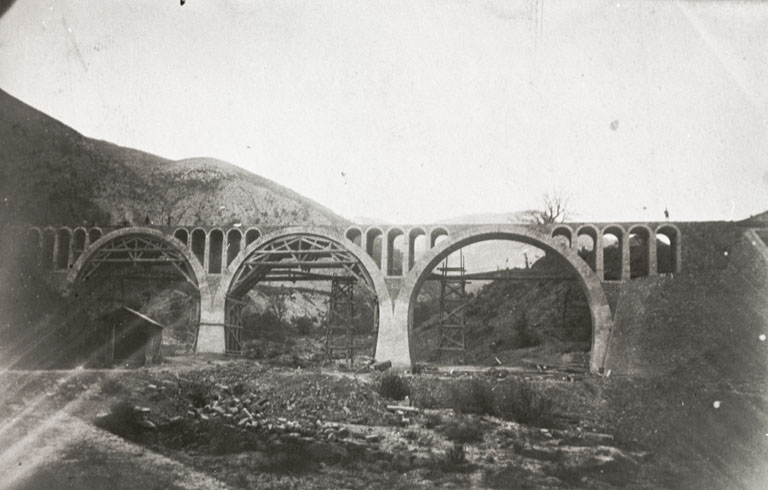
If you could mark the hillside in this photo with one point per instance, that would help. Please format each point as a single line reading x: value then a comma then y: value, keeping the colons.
x: 50, y: 173
x: 546, y: 321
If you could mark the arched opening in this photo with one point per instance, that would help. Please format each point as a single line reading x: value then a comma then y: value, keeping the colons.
x: 216, y: 248
x: 501, y: 303
x: 667, y: 249
x: 562, y: 234
x: 63, y: 249
x: 374, y: 244
x: 587, y: 245
x: 436, y: 234
x: 49, y: 246
x: 417, y: 245
x: 355, y: 235
x: 303, y: 297
x: 79, y: 243
x: 94, y: 234
x: 613, y: 249
x: 395, y: 251
x: 251, y: 236
x: 234, y: 239
x: 639, y: 253
x: 138, y: 299
x: 182, y: 235
x: 198, y: 245
x: 554, y: 271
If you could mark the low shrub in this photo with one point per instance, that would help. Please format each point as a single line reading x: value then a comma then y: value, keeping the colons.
x: 477, y: 397
x: 197, y: 394
x: 526, y: 405
x: 303, y: 325
x: 112, y: 386
x: 122, y: 420
x: 463, y: 430
x: 291, y: 458
x: 455, y: 456
x: 393, y: 386
x: 432, y: 420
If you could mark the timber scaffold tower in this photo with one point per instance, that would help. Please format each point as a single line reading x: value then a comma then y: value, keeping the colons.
x: 339, y: 327
x: 453, y: 301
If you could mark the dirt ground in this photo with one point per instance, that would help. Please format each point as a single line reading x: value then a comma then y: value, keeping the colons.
x: 212, y: 423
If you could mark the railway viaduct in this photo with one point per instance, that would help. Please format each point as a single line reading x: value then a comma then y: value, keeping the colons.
x: 392, y: 261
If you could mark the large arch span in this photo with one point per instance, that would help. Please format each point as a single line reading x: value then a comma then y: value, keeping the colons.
x: 602, y: 319
x: 234, y: 279
x: 139, y: 246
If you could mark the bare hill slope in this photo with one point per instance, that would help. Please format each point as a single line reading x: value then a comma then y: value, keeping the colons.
x: 50, y: 173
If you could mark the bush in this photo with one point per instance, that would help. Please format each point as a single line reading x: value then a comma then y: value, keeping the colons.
x: 303, y: 325
x: 455, y: 460
x: 463, y: 430
x: 392, y: 386
x: 112, y: 386
x: 122, y: 420
x: 432, y: 420
x: 455, y: 456
x: 475, y: 398
x: 527, y: 406
x: 291, y: 458
x: 197, y: 394
x: 263, y: 326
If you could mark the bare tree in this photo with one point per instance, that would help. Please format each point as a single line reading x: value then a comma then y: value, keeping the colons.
x: 555, y: 209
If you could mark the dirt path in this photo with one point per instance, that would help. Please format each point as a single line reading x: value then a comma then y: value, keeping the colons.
x: 63, y: 452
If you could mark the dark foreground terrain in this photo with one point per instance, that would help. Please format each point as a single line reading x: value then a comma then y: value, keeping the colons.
x: 218, y: 423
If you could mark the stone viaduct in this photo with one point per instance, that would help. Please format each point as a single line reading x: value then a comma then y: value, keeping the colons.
x: 222, y: 263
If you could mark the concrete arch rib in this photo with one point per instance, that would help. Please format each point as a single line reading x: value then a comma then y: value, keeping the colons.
x: 602, y: 320
x: 197, y: 268
x: 216, y: 314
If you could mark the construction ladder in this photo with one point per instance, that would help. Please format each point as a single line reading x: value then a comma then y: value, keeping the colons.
x: 453, y: 300
x: 339, y: 336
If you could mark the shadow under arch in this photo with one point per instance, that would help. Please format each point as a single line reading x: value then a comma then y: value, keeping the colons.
x: 600, y: 312
x: 372, y: 273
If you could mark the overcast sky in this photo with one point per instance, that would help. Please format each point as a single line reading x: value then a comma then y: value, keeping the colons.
x: 415, y: 111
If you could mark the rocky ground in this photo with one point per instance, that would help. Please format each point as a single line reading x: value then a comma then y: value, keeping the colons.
x: 217, y: 423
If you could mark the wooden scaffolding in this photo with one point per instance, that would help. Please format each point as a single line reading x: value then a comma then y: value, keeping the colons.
x: 339, y: 327
x: 453, y: 301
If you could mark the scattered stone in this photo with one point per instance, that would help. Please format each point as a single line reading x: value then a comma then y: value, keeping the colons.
x: 382, y: 366
x: 402, y: 408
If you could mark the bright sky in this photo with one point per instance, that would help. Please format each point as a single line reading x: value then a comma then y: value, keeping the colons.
x: 415, y: 111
